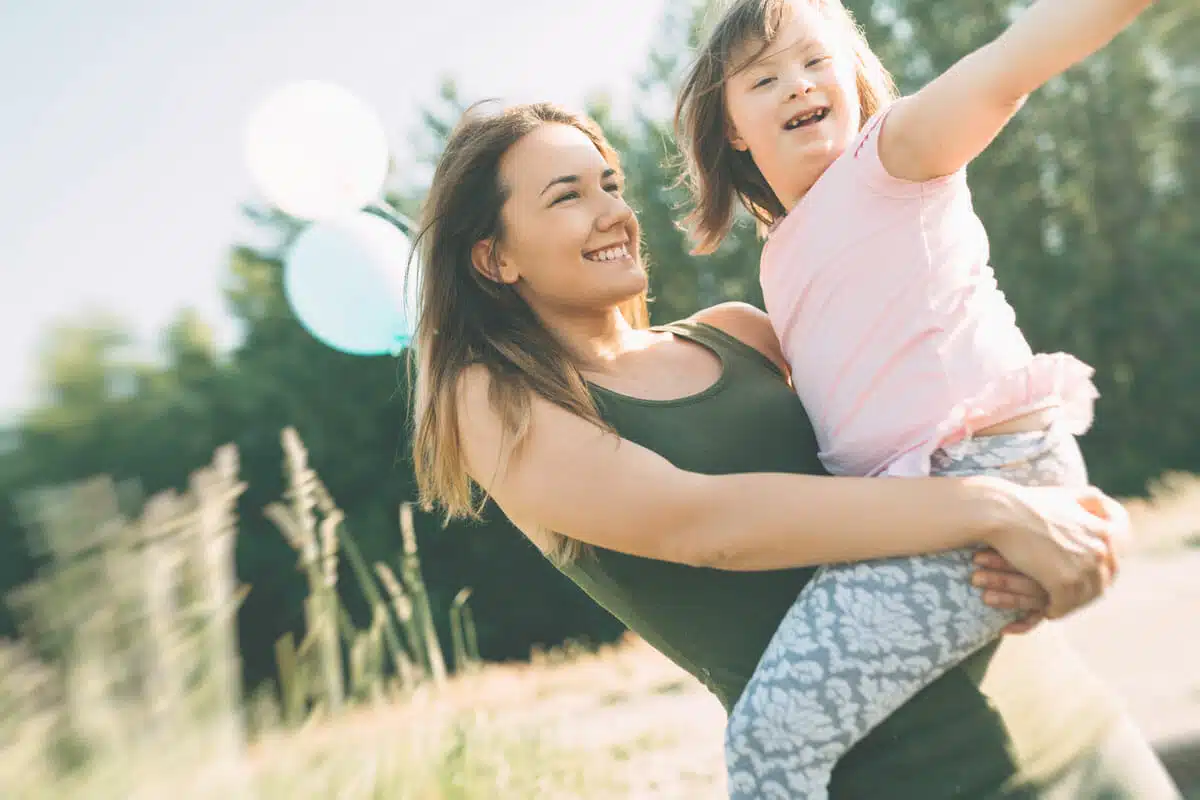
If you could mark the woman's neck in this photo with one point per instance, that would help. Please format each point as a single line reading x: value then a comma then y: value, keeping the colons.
x: 596, y: 340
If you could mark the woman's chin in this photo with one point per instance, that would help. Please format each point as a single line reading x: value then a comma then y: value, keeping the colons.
x: 626, y: 272
x: 616, y: 294
x: 634, y: 281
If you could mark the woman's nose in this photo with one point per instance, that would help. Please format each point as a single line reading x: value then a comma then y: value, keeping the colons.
x: 616, y: 212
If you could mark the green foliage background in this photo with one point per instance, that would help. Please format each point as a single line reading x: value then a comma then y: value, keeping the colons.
x: 1091, y: 197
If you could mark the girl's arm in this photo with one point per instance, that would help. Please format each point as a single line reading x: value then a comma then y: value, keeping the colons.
x: 941, y: 128
x: 571, y: 477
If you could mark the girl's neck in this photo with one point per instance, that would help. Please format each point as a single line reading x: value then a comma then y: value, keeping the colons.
x: 797, y: 194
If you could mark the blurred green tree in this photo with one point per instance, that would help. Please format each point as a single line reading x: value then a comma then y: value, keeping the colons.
x: 1091, y: 197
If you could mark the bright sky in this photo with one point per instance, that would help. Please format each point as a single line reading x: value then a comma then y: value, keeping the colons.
x: 121, y: 127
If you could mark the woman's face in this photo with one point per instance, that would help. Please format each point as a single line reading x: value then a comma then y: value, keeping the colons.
x: 570, y: 243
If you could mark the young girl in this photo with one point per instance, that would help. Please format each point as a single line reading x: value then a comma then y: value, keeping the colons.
x: 903, y: 350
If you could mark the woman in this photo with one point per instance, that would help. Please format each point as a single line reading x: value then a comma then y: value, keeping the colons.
x: 671, y: 473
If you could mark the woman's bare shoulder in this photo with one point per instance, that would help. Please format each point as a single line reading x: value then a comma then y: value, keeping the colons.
x: 747, y: 324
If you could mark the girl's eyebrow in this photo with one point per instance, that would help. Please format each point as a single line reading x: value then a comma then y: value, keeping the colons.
x: 765, y: 59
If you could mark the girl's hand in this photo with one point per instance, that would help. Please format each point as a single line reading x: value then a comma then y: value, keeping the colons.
x: 1006, y: 588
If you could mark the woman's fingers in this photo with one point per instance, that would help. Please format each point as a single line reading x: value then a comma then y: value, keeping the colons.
x: 1012, y: 601
x: 1011, y: 590
x: 1065, y: 544
x: 1082, y: 578
x: 1086, y: 577
x: 1006, y: 588
x: 1116, y: 530
x: 1098, y: 575
x: 992, y: 560
x: 1093, y: 562
x: 1120, y: 533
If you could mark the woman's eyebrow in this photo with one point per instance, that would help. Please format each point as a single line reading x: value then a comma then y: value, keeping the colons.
x: 608, y: 173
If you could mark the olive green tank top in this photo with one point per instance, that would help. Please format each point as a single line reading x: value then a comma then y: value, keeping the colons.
x: 997, y: 726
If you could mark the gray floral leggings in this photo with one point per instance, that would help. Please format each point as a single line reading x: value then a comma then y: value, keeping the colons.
x: 863, y: 638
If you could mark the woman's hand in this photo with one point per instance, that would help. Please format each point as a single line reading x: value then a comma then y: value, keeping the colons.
x: 1007, y: 589
x: 1062, y: 538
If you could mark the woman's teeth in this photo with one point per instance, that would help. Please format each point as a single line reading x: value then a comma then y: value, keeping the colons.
x: 608, y: 254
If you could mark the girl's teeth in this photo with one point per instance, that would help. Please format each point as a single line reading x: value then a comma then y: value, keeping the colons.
x: 813, y: 116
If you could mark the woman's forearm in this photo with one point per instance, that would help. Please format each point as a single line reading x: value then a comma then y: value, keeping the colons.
x: 765, y: 521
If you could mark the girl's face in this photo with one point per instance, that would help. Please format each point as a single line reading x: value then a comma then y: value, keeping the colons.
x: 794, y: 106
x: 570, y: 242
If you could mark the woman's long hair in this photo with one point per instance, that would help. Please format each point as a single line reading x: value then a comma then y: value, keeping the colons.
x: 467, y: 319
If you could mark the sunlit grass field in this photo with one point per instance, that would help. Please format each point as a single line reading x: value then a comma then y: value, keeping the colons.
x: 126, y: 684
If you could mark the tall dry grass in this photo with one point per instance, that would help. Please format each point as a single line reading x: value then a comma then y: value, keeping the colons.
x: 126, y: 682
x: 1169, y: 517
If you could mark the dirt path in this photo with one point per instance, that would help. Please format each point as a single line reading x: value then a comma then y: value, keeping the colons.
x: 1144, y: 640
x: 662, y: 732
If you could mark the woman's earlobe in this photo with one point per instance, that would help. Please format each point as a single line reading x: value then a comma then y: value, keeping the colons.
x: 505, y: 272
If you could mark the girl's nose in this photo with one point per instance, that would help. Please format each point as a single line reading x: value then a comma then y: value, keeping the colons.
x: 798, y: 82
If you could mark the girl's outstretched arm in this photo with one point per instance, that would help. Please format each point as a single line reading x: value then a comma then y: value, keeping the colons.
x: 941, y: 128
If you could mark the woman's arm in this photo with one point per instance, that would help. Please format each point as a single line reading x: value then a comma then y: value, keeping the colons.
x: 1002, y: 585
x: 571, y: 477
x: 945, y: 125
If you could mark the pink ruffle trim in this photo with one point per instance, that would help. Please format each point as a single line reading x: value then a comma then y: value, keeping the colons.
x: 1050, y: 379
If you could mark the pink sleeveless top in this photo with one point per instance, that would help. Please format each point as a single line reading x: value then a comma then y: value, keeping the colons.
x: 898, y: 337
